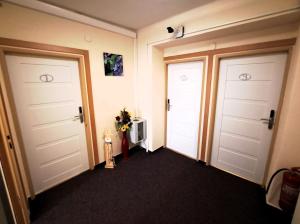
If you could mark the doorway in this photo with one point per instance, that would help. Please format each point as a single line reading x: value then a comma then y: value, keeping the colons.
x: 183, y: 107
x: 47, y: 97
x: 13, y: 151
x: 247, y: 104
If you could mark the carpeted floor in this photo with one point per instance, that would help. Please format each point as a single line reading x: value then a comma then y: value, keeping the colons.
x: 161, y: 187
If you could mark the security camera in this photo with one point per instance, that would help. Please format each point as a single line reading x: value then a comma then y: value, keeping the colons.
x: 170, y: 29
x: 178, y: 32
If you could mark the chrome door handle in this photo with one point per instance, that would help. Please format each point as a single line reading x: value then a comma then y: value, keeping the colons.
x: 269, y: 121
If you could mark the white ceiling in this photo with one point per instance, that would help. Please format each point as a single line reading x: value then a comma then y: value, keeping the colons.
x: 132, y: 14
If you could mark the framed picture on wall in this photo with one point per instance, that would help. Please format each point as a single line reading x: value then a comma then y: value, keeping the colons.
x: 113, y: 64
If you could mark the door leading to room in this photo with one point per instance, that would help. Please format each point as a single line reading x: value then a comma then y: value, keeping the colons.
x: 247, y: 106
x: 47, y: 97
x: 183, y: 107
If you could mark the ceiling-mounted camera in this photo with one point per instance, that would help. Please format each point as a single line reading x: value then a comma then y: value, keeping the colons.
x: 170, y: 29
x: 178, y: 32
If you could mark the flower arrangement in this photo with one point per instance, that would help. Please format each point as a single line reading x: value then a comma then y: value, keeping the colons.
x: 123, y: 121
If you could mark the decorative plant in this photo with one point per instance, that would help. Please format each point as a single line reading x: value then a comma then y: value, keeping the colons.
x: 123, y: 121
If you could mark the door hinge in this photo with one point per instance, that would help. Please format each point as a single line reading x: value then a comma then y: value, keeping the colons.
x: 10, y: 142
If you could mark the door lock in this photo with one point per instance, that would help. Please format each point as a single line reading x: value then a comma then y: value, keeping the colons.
x: 168, y: 105
x: 80, y: 116
x: 269, y: 121
x: 10, y: 142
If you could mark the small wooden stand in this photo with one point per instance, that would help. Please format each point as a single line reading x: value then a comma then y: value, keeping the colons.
x: 108, y: 153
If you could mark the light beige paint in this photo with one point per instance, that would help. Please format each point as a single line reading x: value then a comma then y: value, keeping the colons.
x: 110, y: 93
x: 158, y: 97
x: 286, y: 149
x: 270, y: 34
x: 218, y: 13
x: 287, y: 144
x: 133, y: 14
x: 205, y: 18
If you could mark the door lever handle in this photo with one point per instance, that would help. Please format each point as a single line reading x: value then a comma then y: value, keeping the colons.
x: 265, y: 120
x: 75, y: 118
x: 270, y: 121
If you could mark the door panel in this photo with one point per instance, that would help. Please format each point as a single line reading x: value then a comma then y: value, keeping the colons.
x: 52, y: 169
x: 45, y: 134
x: 31, y: 73
x: 40, y: 94
x: 249, y: 88
x: 259, y: 72
x: 184, y: 93
x: 244, y: 109
x: 247, y: 91
x: 45, y: 114
x: 236, y: 143
x: 237, y: 160
x: 47, y: 95
x: 245, y: 128
x: 53, y: 151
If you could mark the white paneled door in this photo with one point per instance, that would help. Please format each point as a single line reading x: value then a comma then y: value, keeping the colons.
x: 184, y: 96
x: 248, y: 96
x: 47, y: 98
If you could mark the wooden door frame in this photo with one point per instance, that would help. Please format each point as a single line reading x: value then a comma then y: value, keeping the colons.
x: 11, y: 171
x: 214, y: 95
x: 203, y: 59
x: 11, y: 46
x: 4, y: 195
x: 214, y: 57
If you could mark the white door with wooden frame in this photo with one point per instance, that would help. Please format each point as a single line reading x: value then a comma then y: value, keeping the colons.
x: 248, y: 96
x: 183, y: 112
x: 48, y: 102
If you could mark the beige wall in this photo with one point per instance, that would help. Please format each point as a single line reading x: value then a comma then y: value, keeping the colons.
x: 158, y: 97
x: 200, y: 22
x: 286, y: 152
x: 270, y: 34
x: 110, y: 93
x: 211, y: 16
x: 286, y: 148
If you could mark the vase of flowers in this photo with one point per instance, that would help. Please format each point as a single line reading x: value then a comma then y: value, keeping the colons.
x: 123, y: 124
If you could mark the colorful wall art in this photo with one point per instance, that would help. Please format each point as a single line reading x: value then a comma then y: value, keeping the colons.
x: 113, y: 64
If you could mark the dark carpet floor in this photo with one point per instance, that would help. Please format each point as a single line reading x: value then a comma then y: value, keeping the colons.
x: 161, y: 187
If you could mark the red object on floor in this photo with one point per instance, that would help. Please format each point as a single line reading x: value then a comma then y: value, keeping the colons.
x: 125, y: 145
x: 290, y: 190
